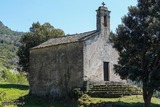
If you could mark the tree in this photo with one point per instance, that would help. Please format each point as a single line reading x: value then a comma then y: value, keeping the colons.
x: 37, y: 35
x: 137, y: 40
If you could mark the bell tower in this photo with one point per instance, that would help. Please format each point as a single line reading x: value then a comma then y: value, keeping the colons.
x: 103, y: 19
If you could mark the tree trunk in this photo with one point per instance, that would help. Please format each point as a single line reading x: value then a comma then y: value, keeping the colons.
x: 147, y: 102
x: 147, y: 95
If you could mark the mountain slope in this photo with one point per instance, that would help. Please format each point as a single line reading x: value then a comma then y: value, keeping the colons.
x: 9, y: 42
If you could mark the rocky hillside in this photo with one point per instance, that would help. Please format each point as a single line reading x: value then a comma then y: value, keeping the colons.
x: 9, y: 42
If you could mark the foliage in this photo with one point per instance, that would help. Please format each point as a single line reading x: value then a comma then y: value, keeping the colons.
x: 8, y: 56
x: 9, y: 76
x: 137, y: 40
x: 76, y: 93
x: 37, y: 35
x: 112, y: 37
x: 12, y: 76
x: 9, y: 42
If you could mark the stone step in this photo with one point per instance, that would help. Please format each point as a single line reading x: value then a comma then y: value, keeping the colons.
x: 113, y: 90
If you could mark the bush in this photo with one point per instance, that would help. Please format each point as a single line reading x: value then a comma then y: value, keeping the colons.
x: 13, y: 77
x: 22, y: 78
x: 8, y: 76
x: 1, y: 72
x: 76, y: 93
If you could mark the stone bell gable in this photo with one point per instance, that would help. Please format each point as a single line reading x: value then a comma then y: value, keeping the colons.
x: 61, y: 64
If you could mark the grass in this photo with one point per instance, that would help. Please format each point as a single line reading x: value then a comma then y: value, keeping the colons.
x: 13, y: 93
x: 9, y: 93
x: 125, y: 101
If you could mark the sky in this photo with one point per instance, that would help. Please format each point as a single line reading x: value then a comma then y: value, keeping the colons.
x: 72, y: 16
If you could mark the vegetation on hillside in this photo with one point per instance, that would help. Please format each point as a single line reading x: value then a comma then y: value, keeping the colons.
x: 137, y: 40
x: 9, y: 43
x: 7, y: 31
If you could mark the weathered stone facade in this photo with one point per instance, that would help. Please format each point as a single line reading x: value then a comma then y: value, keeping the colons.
x: 56, y: 69
x: 61, y: 64
x: 97, y: 51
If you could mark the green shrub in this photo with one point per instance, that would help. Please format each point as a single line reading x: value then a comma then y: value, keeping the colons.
x: 13, y: 77
x: 22, y: 79
x: 8, y: 76
x: 76, y: 93
x: 85, y: 96
x: 1, y: 72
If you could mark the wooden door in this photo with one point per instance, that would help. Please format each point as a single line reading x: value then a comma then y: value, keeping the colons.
x: 106, y: 71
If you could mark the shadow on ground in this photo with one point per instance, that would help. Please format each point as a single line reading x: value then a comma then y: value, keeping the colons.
x: 118, y: 104
x: 34, y: 101
x: 16, y: 86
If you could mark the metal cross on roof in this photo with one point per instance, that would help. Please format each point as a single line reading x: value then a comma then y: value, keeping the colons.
x: 103, y: 4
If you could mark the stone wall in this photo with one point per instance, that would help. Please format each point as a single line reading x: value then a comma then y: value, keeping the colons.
x: 56, y: 70
x: 98, y: 50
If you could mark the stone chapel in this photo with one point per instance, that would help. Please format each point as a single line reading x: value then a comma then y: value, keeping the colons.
x: 61, y: 64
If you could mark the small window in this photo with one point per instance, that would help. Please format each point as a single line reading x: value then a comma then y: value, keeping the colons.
x: 105, y: 21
